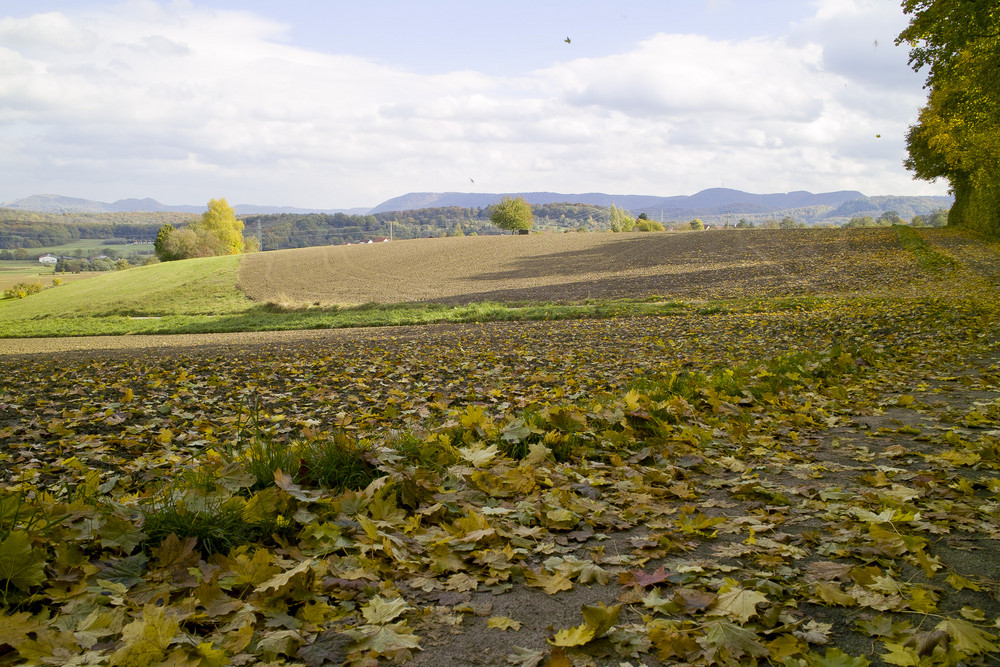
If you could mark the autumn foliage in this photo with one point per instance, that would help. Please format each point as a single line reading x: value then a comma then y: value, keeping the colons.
x: 217, y: 232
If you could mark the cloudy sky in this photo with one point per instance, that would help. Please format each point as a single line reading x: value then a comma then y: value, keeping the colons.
x: 340, y: 104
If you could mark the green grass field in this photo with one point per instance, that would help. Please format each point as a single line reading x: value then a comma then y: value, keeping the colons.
x: 91, y: 247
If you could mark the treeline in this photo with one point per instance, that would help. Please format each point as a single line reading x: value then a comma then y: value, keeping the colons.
x: 29, y: 229
x: 289, y: 230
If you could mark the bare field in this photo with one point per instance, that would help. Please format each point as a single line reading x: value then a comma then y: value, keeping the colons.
x: 574, y: 267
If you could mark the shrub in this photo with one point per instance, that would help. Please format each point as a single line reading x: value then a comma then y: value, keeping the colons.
x: 21, y: 290
x: 648, y: 226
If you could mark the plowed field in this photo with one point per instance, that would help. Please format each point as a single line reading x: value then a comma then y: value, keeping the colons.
x: 574, y: 267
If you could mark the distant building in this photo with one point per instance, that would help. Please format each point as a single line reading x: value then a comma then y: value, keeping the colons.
x: 48, y: 259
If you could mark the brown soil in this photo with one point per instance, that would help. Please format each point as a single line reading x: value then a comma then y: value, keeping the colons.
x: 574, y: 267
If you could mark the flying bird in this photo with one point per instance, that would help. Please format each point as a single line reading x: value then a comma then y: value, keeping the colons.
x: 567, y: 40
x: 470, y: 179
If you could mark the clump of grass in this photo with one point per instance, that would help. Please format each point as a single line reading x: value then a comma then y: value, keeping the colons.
x: 263, y: 456
x: 259, y: 453
x: 216, y: 523
x: 339, y: 462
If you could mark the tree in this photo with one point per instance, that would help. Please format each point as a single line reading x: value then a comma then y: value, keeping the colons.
x: 217, y: 232
x: 648, y: 225
x: 788, y: 222
x: 160, y: 245
x: 621, y: 221
x: 957, y: 135
x: 697, y: 224
x: 512, y: 214
x: 938, y: 217
x: 890, y: 218
x: 220, y: 221
x: 860, y: 221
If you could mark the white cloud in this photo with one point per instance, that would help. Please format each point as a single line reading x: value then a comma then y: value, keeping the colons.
x: 184, y: 104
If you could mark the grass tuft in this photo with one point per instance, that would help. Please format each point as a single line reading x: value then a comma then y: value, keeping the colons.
x: 340, y: 462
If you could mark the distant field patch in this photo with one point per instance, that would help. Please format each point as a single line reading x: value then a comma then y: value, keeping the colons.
x: 91, y: 247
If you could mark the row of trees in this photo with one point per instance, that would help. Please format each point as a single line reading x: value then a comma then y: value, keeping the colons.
x: 217, y: 232
x: 66, y: 265
x: 518, y: 215
x: 957, y: 136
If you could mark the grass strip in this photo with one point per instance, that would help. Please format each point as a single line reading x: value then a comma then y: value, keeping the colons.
x: 929, y: 259
x: 267, y: 318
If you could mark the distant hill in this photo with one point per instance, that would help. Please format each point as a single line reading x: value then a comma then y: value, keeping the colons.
x: 706, y: 200
x: 61, y: 204
x: 715, y: 205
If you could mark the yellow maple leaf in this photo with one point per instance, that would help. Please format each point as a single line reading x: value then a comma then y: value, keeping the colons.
x: 738, y: 603
x: 575, y: 636
x: 298, y: 574
x: 146, y: 639
x: 380, y: 610
x: 968, y: 638
x: 904, y: 656
x: 503, y: 623
x: 478, y: 455
x: 550, y: 583
x: 384, y: 638
x: 833, y: 594
x: 601, y: 618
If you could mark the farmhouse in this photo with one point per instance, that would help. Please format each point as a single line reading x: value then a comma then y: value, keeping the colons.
x: 48, y: 258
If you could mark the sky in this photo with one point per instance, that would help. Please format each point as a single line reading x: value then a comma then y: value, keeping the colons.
x: 337, y: 104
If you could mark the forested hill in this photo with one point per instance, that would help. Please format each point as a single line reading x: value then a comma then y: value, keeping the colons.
x: 31, y: 229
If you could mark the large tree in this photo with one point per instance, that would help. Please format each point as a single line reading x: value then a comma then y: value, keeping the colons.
x: 217, y: 232
x: 220, y: 221
x: 957, y: 136
x: 512, y: 214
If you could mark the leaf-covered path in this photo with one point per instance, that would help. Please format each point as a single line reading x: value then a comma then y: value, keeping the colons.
x: 805, y: 481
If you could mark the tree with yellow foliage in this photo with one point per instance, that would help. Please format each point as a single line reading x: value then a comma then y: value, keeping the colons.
x: 217, y: 232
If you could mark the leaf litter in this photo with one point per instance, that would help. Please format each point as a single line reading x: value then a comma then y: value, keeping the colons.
x: 808, y: 482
